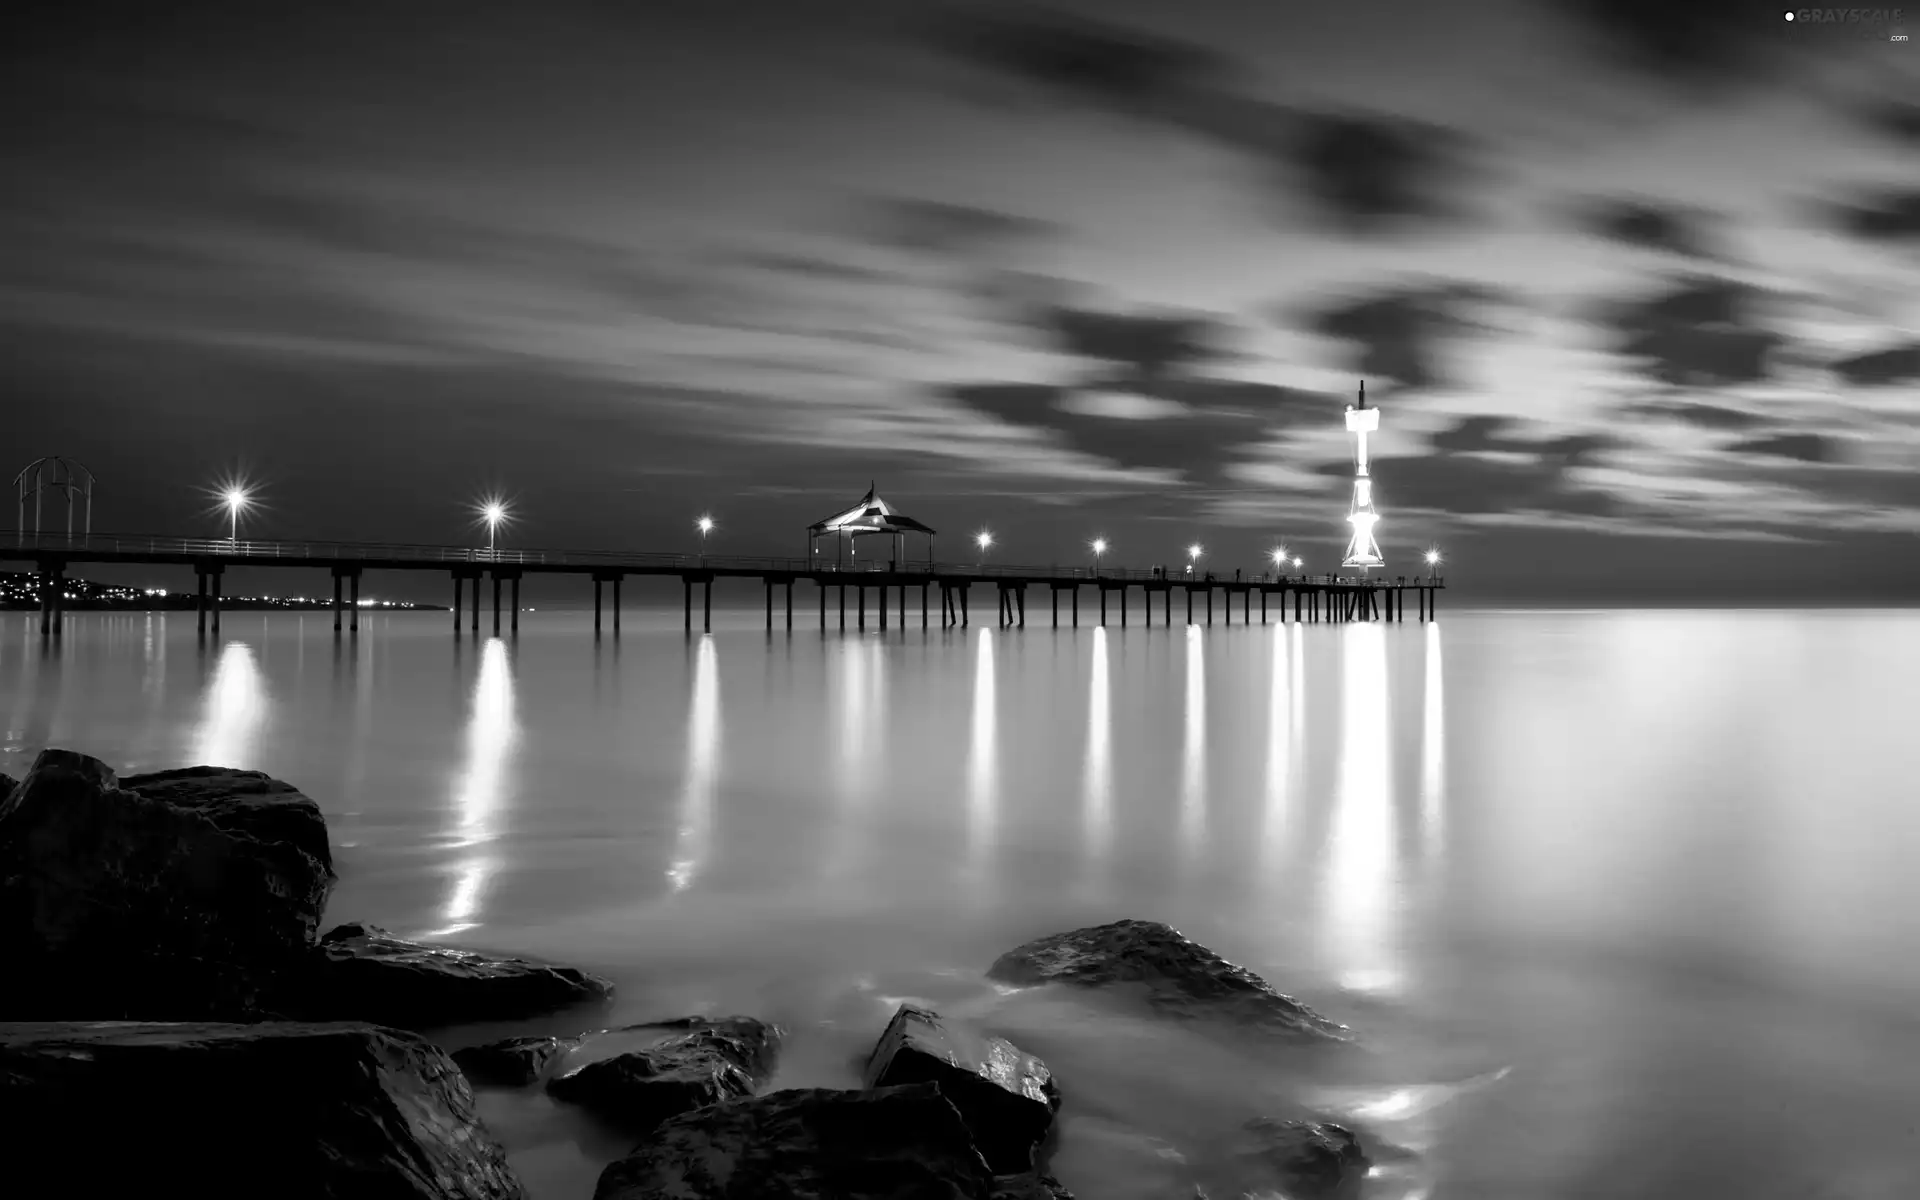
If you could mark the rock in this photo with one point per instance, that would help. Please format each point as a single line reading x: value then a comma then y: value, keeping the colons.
x: 896, y: 1143
x: 1307, y: 1159
x: 713, y: 1060
x: 364, y: 973
x: 1029, y: 1187
x: 512, y: 1062
x: 297, y: 1112
x: 1181, y: 976
x: 7, y: 784
x: 180, y: 895
x: 1006, y: 1096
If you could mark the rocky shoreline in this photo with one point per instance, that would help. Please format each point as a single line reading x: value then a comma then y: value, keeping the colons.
x: 175, y: 1021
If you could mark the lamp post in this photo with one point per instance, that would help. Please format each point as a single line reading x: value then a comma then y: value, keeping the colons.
x: 1433, y: 564
x: 236, y: 500
x: 705, y: 526
x: 1099, y: 546
x: 1193, y: 556
x: 493, y: 514
x: 1279, y: 557
x: 983, y: 541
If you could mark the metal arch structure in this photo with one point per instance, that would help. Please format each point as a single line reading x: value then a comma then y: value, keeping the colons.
x: 69, y: 477
x: 871, y: 515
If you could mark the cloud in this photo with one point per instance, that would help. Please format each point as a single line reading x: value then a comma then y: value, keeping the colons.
x: 1400, y: 334
x: 1803, y: 447
x: 1896, y: 120
x: 1363, y: 172
x: 1896, y: 364
x: 1699, y: 332
x: 1704, y: 43
x: 1650, y: 225
x: 944, y: 228
x: 1142, y: 346
x: 1889, y: 216
x: 1693, y: 412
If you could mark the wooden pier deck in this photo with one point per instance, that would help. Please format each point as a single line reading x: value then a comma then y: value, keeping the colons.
x: 1314, y: 598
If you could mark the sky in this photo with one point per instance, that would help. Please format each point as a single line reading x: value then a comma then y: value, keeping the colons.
x: 1635, y: 285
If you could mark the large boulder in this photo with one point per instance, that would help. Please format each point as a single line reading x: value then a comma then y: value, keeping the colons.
x: 181, y: 895
x: 512, y: 1062
x: 363, y: 973
x: 1006, y: 1096
x: 1180, y: 976
x: 1304, y: 1160
x: 809, y: 1144
x: 698, y: 1061
x: 229, y: 1111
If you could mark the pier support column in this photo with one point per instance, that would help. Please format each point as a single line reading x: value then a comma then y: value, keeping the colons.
x: 59, y: 603
x: 353, y: 607
x: 706, y: 605
x: 880, y: 595
x: 769, y: 584
x: 1433, y: 603
x: 823, y: 604
x: 1146, y: 602
x: 459, y: 602
x: 1209, y: 604
x: 199, y: 606
x: 1103, y: 606
x: 515, y: 620
x: 1020, y: 598
x: 598, y: 584
x: 616, y: 606
x: 1229, y: 606
x: 903, y: 607
x: 860, y: 600
x: 1189, y: 605
x: 686, y: 601
x: 1246, y: 607
x: 46, y: 603
x: 336, y: 599
x: 843, y: 608
x: 1056, y: 607
x: 1263, y: 606
x: 1166, y: 607
x: 496, y: 604
x: 963, y: 604
x: 924, y: 588
x: 475, y: 625
x: 1123, y: 606
x: 789, y: 606
x: 1076, y: 606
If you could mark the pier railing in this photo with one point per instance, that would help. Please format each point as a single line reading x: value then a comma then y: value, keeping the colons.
x: 25, y: 543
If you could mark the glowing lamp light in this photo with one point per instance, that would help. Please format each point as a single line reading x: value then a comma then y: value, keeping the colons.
x: 1193, y: 551
x: 704, y: 525
x: 493, y: 514
x: 1298, y: 563
x: 983, y: 539
x: 1099, y: 546
x: 1279, y: 557
x: 236, y: 500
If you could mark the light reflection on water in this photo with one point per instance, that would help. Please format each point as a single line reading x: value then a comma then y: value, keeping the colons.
x: 1657, y: 864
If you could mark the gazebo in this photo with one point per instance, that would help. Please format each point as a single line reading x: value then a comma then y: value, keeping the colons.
x: 870, y: 516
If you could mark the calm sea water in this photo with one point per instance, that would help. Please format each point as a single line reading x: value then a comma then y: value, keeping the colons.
x: 1628, y: 902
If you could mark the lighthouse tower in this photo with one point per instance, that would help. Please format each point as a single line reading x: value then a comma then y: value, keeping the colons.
x: 1362, y: 550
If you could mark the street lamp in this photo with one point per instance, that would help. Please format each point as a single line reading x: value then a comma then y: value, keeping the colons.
x: 1433, y: 564
x: 493, y: 513
x: 1193, y: 556
x: 705, y: 526
x: 1279, y: 557
x: 984, y: 541
x: 1298, y: 563
x: 1099, y: 547
x: 236, y: 500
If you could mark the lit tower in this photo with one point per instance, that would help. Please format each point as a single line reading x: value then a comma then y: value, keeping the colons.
x: 1362, y: 550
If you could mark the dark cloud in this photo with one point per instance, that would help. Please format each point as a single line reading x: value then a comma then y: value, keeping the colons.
x: 1400, y: 335
x: 1701, y: 332
x: 1896, y: 120
x: 1650, y: 225
x: 1143, y: 346
x: 1888, y: 217
x: 1692, y: 412
x: 1707, y: 42
x: 940, y: 227
x: 1220, y: 419
x: 1467, y: 485
x: 1364, y: 172
x: 1803, y: 447
x: 1896, y: 364
x: 1499, y: 434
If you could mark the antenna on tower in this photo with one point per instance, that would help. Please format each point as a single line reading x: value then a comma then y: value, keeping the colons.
x: 1363, y: 393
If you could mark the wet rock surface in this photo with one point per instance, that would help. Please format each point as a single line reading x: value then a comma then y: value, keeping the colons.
x: 1029, y: 1187
x: 889, y: 1143
x: 182, y: 895
x: 1308, y: 1159
x: 1006, y: 1096
x: 364, y: 973
x: 217, y: 1111
x: 512, y: 1062
x: 700, y: 1061
x: 1181, y: 977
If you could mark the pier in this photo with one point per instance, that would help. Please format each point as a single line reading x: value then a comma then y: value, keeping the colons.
x: 888, y: 584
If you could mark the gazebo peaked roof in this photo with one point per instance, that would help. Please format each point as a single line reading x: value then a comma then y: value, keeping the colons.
x: 871, y: 515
